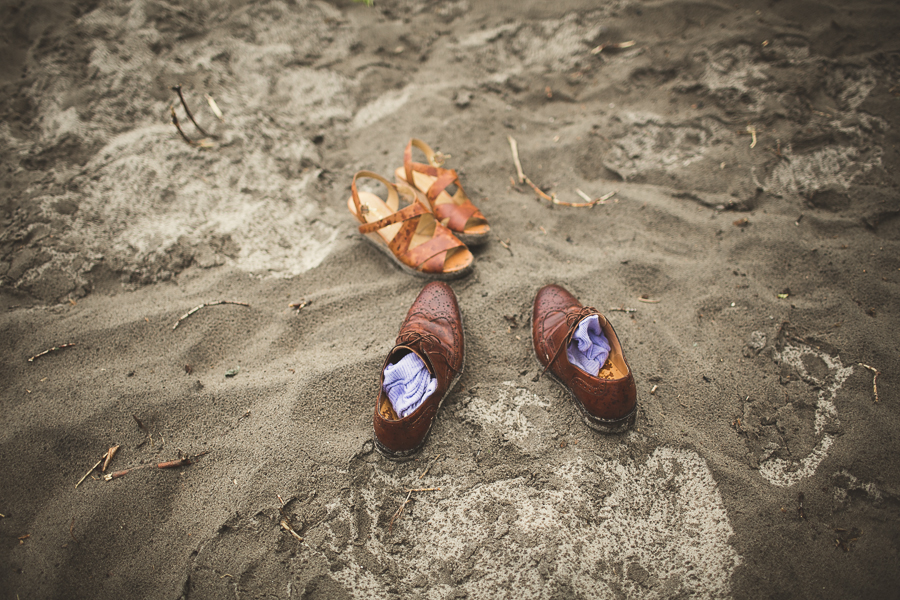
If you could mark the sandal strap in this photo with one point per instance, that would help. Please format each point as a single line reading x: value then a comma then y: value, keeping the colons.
x: 457, y: 215
x: 409, y: 212
x: 393, y: 201
x: 430, y: 256
x: 409, y: 166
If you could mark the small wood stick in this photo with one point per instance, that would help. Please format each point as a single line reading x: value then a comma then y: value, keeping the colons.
x: 109, y: 457
x: 205, y: 304
x: 874, y: 379
x: 649, y: 301
x: 181, y: 462
x: 287, y: 527
x: 53, y: 349
x: 215, y: 107
x: 399, y: 511
x: 99, y: 462
x: 425, y: 490
x: 178, y: 127
x: 515, y: 153
x: 428, y: 468
x: 177, y: 88
x: 116, y: 475
x: 622, y: 309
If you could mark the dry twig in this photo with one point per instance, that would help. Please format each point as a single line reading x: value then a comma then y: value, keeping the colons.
x: 298, y: 306
x: 215, y: 107
x: 874, y: 379
x: 177, y: 89
x: 648, y: 300
x: 611, y: 46
x: 752, y: 131
x: 98, y: 463
x: 514, y: 147
x: 53, y: 349
x: 402, y: 506
x: 428, y: 468
x: 515, y: 152
x: 287, y: 527
x: 205, y: 304
x: 622, y: 309
x: 109, y: 456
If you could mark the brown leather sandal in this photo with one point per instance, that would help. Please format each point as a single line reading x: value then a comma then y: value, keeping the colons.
x: 411, y: 236
x: 454, y: 211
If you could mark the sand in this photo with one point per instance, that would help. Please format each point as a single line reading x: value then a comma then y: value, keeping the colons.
x: 754, y: 229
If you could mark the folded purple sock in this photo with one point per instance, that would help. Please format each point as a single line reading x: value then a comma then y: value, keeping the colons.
x: 407, y: 384
x: 589, y: 348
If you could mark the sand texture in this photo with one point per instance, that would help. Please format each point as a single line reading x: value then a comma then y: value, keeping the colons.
x: 748, y: 255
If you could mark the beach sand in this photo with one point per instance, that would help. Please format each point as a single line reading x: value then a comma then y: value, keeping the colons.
x: 747, y: 257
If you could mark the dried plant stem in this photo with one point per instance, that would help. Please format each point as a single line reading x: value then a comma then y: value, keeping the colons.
x: 287, y: 527
x: 109, y: 456
x: 53, y: 349
x: 177, y: 89
x: 181, y: 462
x: 205, y: 304
x: 399, y: 512
x: 623, y: 309
x: 619, y: 46
x: 402, y: 506
x: 514, y: 147
x: 214, y: 107
x: 428, y: 468
x: 99, y: 462
x: 874, y: 379
x: 178, y: 127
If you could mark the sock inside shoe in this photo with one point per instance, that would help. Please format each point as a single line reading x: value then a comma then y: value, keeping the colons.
x: 589, y: 347
x: 407, y: 383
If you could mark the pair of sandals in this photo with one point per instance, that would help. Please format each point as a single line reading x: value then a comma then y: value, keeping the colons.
x: 429, y: 236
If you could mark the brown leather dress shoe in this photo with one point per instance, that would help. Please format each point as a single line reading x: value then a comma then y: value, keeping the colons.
x: 607, y: 402
x: 432, y: 330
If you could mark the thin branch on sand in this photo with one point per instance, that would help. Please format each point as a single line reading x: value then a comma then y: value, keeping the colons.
x: 53, y: 349
x: 215, y: 107
x: 611, y: 46
x: 402, y: 506
x: 514, y: 147
x: 169, y: 464
x: 428, y: 468
x: 874, y: 379
x: 109, y: 456
x: 287, y: 527
x: 622, y: 309
x: 177, y: 89
x: 205, y: 304
x: 94, y: 468
x: 181, y: 462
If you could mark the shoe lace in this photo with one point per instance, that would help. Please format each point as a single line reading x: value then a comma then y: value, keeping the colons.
x: 572, y: 321
x: 411, y: 337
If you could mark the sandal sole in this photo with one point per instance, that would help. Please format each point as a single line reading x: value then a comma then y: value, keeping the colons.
x: 407, y: 269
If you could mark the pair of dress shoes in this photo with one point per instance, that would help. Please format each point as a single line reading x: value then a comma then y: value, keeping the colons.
x: 433, y: 330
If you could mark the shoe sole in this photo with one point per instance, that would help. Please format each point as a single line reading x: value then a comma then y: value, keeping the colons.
x: 407, y: 269
x: 404, y: 455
